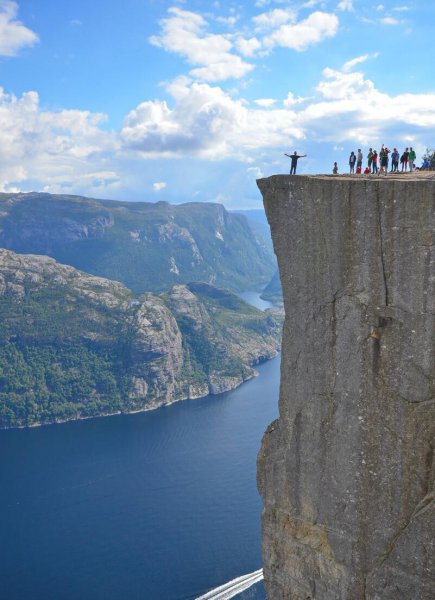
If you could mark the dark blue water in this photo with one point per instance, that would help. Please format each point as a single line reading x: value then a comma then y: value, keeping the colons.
x: 157, y: 505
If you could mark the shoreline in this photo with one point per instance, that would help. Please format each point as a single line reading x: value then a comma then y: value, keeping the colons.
x: 140, y: 410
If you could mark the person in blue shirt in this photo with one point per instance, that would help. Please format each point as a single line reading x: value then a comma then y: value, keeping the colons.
x: 395, y: 161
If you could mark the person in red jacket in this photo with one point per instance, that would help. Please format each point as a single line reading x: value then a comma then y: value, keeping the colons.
x: 375, y: 162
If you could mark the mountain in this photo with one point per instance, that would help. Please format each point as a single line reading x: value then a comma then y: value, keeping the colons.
x: 273, y: 290
x: 146, y: 246
x: 73, y: 345
x: 258, y: 222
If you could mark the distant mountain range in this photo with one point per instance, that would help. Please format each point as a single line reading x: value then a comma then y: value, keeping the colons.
x: 146, y: 246
x: 73, y: 345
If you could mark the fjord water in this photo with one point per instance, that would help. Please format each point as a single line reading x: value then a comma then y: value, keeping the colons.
x: 160, y: 505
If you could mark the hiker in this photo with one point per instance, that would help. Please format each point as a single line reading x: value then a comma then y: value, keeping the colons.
x: 383, y: 156
x: 294, y: 158
x: 370, y: 159
x: 359, y: 159
x: 394, y: 161
x: 335, y: 169
x: 367, y: 171
x: 352, y: 161
x: 374, y: 162
x: 425, y: 165
x: 404, y: 160
x: 411, y: 158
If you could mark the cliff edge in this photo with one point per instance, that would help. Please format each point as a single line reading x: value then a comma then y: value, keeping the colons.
x: 347, y: 473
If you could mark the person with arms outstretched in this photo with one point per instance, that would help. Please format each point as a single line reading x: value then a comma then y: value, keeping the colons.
x: 294, y: 158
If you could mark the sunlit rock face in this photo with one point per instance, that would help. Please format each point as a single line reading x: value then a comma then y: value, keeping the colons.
x: 347, y: 473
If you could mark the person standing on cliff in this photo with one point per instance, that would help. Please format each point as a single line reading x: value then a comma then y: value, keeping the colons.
x: 352, y: 161
x: 294, y: 158
x: 359, y: 159
x: 411, y: 158
x: 370, y: 159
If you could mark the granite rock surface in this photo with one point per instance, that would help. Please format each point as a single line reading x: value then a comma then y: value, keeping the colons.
x: 347, y: 472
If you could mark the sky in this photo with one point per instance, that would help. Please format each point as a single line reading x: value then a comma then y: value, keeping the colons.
x: 191, y: 100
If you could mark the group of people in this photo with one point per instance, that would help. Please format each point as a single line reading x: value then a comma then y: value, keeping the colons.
x: 378, y: 163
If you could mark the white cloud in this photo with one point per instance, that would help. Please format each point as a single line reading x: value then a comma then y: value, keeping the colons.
x: 64, y: 148
x: 207, y: 122
x: 159, y: 185
x: 204, y: 121
x: 291, y: 100
x: 13, y: 34
x: 345, y: 5
x: 256, y: 172
x: 358, y: 60
x: 299, y: 36
x: 183, y: 32
x: 248, y: 47
x: 390, y: 21
x: 265, y: 102
x: 274, y: 18
x: 380, y: 7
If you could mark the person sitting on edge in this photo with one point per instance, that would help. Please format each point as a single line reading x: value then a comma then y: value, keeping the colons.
x: 411, y: 158
x: 352, y: 161
x: 425, y: 165
x: 367, y: 171
x: 294, y: 158
x: 359, y: 159
x: 335, y: 169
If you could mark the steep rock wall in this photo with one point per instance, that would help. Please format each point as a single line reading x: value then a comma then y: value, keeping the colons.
x: 347, y: 473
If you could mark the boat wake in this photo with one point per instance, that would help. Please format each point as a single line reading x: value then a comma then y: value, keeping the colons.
x: 233, y: 587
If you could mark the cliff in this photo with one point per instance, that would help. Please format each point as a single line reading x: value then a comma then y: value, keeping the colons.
x: 73, y: 345
x: 347, y: 473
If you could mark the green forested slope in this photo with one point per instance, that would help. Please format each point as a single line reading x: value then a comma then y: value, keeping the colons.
x: 146, y: 246
x: 73, y: 345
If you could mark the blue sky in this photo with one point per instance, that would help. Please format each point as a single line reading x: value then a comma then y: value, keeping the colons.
x: 191, y: 100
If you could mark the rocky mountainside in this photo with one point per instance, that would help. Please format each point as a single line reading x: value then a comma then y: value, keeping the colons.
x: 146, y: 246
x: 347, y: 472
x: 74, y: 345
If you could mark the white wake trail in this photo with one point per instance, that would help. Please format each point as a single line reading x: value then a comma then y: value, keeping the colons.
x: 233, y: 587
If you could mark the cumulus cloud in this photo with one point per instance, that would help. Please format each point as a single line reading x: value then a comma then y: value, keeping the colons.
x: 184, y: 33
x: 13, y: 34
x: 63, y: 148
x: 159, y: 185
x: 274, y: 18
x: 317, y: 27
x: 205, y: 121
x: 352, y: 108
x: 248, y: 47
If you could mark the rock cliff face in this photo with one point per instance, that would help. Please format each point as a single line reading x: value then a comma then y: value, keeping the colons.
x: 347, y: 473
